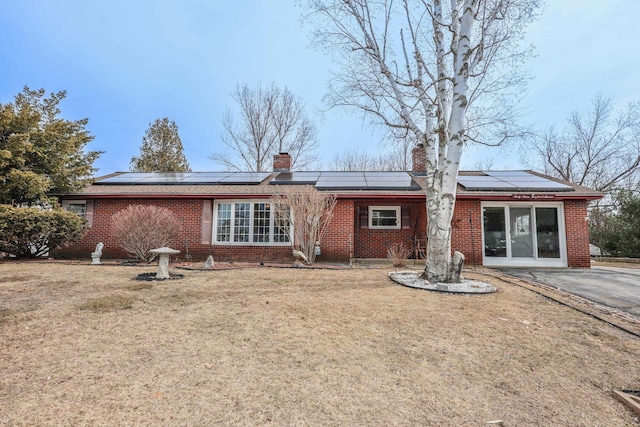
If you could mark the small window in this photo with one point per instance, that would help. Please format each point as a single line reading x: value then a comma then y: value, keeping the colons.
x: 384, y: 217
x: 76, y: 206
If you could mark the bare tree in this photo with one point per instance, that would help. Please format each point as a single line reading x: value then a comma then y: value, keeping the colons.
x: 599, y: 149
x: 483, y: 165
x: 399, y: 155
x: 310, y: 212
x: 271, y: 121
x: 447, y: 72
x: 358, y: 160
x: 397, y: 158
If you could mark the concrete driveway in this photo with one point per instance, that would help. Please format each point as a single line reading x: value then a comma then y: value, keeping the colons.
x: 611, y: 286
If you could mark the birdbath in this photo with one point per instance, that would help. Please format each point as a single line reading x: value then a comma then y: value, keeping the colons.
x: 163, y: 262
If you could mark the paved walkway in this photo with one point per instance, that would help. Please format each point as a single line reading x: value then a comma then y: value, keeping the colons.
x: 611, y: 286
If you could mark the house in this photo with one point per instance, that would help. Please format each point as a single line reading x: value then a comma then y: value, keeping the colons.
x: 502, y: 218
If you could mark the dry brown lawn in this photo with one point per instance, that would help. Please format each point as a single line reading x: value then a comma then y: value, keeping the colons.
x: 87, y: 345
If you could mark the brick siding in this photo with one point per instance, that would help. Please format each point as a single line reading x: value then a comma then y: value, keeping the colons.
x: 188, y: 212
x: 345, y: 239
x: 282, y: 162
x: 467, y: 231
x: 338, y: 243
x: 577, y: 230
x: 373, y: 243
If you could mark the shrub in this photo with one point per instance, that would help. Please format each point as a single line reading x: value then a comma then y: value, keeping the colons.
x: 33, y: 232
x: 309, y: 213
x: 140, y: 228
x: 398, y: 254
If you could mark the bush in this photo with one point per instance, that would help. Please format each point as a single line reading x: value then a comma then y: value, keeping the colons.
x: 33, y: 232
x: 139, y: 229
x: 398, y: 254
x: 309, y: 213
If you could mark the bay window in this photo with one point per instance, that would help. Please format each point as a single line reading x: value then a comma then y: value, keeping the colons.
x: 251, y: 223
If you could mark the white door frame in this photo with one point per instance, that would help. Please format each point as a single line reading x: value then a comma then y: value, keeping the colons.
x: 510, y: 261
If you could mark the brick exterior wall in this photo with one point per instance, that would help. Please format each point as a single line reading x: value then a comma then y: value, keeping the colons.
x: 577, y: 230
x: 189, y: 213
x: 337, y: 246
x: 467, y: 231
x: 348, y: 237
x: 374, y: 243
x: 282, y: 162
x: 338, y: 243
x: 419, y: 158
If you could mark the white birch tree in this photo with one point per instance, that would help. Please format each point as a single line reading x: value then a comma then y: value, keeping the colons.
x: 446, y: 71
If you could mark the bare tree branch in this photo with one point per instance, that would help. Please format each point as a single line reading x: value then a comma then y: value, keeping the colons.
x: 595, y: 149
x: 271, y: 121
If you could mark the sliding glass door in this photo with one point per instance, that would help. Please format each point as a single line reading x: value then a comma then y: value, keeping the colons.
x: 523, y: 235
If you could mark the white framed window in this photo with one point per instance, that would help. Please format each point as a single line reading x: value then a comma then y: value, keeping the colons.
x: 76, y: 206
x: 249, y: 222
x: 384, y: 217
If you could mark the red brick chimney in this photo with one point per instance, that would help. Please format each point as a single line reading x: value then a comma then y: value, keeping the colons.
x: 282, y: 162
x: 419, y: 157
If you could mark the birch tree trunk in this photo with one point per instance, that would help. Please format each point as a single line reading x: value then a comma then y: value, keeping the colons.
x: 419, y: 67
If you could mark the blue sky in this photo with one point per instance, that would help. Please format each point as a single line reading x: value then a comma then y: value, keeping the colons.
x: 126, y: 63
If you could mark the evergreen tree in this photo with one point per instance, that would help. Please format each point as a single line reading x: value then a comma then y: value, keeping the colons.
x: 161, y: 149
x: 618, y: 233
x: 41, y: 153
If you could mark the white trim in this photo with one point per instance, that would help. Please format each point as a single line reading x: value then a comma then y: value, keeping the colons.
x: 398, y: 211
x: 251, y: 202
x: 510, y: 261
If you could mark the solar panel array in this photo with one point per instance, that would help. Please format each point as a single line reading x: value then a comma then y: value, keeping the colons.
x: 510, y: 181
x: 490, y: 181
x: 349, y: 180
x: 185, y: 178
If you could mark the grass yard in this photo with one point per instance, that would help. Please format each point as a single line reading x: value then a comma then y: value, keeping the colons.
x: 87, y: 345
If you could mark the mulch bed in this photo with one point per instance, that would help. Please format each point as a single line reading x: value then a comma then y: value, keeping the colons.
x: 243, y: 265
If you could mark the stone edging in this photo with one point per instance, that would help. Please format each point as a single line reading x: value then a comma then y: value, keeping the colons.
x: 411, y: 280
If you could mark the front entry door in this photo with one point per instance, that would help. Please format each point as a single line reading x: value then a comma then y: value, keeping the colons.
x: 524, y: 235
x: 520, y: 232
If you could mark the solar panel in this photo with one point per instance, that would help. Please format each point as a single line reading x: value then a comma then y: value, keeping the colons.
x: 479, y: 183
x: 366, y: 181
x: 341, y: 180
x: 164, y: 178
x: 528, y: 181
x: 205, y: 177
x: 291, y: 178
x: 125, y: 178
x: 510, y: 181
x: 389, y: 180
x: 182, y: 178
x: 245, y: 178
